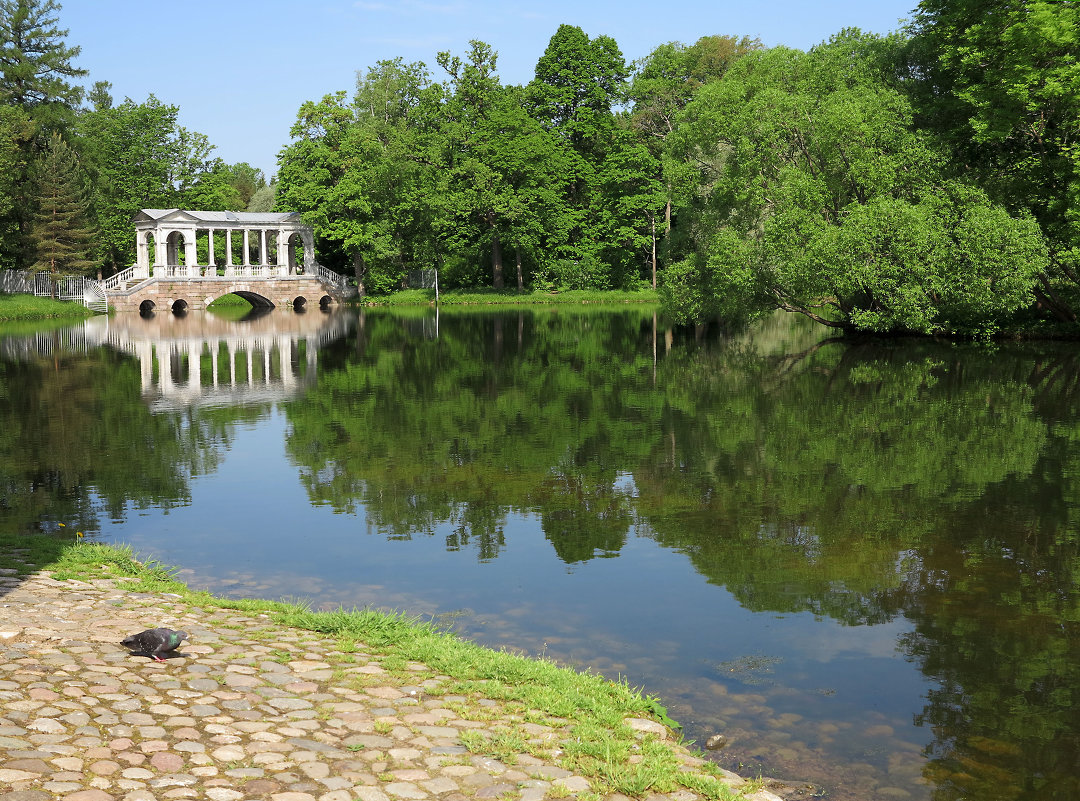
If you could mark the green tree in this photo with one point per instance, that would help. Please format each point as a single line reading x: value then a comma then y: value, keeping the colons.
x: 34, y: 60
x: 578, y: 82
x: 213, y: 190
x: 662, y: 84
x: 246, y: 181
x: 264, y: 198
x: 812, y: 192
x: 139, y: 157
x: 61, y: 235
x: 502, y: 171
x: 35, y: 68
x: 16, y: 133
x: 315, y: 179
x: 1000, y: 81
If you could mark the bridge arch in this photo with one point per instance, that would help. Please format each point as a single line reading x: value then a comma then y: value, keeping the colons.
x: 254, y: 298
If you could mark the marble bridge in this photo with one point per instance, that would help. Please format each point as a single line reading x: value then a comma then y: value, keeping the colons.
x: 266, y: 258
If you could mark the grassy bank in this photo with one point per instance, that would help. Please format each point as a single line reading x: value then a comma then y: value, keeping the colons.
x: 29, y: 307
x: 511, y: 297
x: 600, y: 745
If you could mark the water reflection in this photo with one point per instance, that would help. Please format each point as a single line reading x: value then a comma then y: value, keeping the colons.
x: 208, y: 360
x: 856, y: 559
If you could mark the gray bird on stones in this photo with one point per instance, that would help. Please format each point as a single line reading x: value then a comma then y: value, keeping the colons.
x: 154, y: 642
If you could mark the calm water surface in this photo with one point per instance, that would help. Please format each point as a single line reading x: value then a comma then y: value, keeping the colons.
x: 858, y: 560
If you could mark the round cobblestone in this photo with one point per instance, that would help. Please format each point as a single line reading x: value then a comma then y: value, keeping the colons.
x: 246, y: 710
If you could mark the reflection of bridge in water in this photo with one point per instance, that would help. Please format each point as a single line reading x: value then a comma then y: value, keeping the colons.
x: 201, y: 359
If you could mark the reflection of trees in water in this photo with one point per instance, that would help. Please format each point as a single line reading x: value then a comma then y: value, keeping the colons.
x: 77, y: 442
x: 855, y: 480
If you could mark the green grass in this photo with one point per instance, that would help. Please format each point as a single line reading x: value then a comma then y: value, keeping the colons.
x: 599, y: 743
x: 230, y: 300
x: 511, y: 297
x: 29, y: 307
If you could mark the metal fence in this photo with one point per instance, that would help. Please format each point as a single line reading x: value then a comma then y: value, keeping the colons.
x: 77, y: 288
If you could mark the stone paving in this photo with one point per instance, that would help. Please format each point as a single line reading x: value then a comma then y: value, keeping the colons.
x: 249, y: 710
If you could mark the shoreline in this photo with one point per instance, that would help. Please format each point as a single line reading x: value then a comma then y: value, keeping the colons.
x: 281, y: 702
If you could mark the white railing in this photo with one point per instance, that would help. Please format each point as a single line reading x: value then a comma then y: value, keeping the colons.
x: 76, y: 288
x: 114, y: 282
x: 337, y: 281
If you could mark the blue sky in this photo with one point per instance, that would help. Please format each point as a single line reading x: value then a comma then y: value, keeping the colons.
x: 239, y: 70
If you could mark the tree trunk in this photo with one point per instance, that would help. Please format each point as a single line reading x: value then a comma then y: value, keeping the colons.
x: 496, y: 262
x: 652, y: 221
x: 360, y: 269
x: 517, y: 261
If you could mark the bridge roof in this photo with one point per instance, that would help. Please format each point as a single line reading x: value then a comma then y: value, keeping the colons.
x: 252, y: 217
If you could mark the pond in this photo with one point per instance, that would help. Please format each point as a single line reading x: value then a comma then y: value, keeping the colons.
x: 856, y: 560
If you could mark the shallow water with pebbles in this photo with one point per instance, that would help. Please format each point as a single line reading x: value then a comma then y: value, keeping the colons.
x: 247, y: 710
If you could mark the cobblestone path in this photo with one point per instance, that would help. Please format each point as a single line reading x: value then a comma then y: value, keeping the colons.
x: 250, y: 710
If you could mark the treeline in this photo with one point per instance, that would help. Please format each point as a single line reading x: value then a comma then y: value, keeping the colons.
x: 75, y: 166
x: 925, y: 181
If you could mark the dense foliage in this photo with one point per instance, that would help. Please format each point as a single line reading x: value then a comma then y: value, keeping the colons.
x: 925, y: 181
x: 73, y: 173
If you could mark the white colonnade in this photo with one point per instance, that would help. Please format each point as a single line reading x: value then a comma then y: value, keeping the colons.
x: 170, y: 233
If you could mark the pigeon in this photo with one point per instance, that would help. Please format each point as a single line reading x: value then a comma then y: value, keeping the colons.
x: 154, y: 642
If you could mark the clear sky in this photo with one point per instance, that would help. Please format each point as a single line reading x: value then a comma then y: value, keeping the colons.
x: 239, y: 69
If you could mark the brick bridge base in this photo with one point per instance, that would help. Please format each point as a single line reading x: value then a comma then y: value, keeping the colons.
x: 198, y: 293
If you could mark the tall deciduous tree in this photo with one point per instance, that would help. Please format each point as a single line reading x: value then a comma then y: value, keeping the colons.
x: 503, y: 170
x: 662, y: 84
x: 578, y: 82
x: 61, y: 235
x: 139, y: 157
x: 815, y: 195
x: 1001, y: 82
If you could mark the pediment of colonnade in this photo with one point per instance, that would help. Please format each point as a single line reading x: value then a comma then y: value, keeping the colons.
x: 185, y: 218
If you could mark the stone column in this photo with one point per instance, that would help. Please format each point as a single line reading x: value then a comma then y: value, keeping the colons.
x: 161, y: 248
x: 283, y: 253
x: 309, y: 253
x: 210, y: 248
x: 191, y: 256
x: 228, y: 251
x: 247, y: 250
x: 262, y: 247
x: 142, y: 253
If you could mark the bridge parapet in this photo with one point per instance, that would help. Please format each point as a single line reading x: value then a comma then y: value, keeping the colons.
x: 198, y: 293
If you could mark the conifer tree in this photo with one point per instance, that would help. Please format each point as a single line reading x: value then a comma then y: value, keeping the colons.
x: 60, y: 236
x: 35, y: 71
